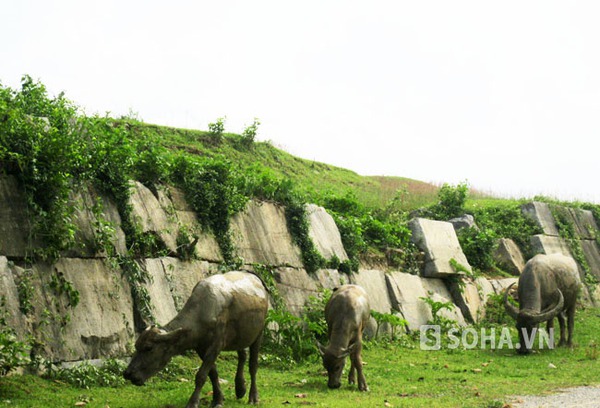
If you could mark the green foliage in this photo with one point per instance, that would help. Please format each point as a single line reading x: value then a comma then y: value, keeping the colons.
x: 392, y: 320
x: 451, y: 202
x: 504, y: 219
x: 249, y: 133
x: 478, y: 245
x: 215, y: 191
x: 294, y: 338
x: 216, y: 129
x: 495, y: 314
x: 87, y: 375
x: 437, y: 319
x: 62, y: 287
x: 13, y: 353
x: 25, y: 291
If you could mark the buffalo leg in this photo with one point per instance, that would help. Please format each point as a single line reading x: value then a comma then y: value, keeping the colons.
x: 240, y: 383
x: 561, y: 323
x: 571, y: 323
x: 357, y: 363
x: 352, y: 372
x: 208, y: 364
x: 254, y: 348
x: 218, y: 397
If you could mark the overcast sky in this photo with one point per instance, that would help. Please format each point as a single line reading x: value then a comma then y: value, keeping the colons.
x: 503, y: 95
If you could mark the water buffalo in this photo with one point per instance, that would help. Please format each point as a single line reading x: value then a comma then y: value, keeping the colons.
x: 347, y: 313
x: 548, y: 288
x: 224, y: 312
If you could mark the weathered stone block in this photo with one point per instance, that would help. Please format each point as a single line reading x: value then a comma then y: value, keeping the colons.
x: 592, y: 256
x: 406, y: 295
x: 159, y: 290
x: 374, y: 283
x: 100, y: 325
x: 324, y: 233
x: 172, y: 200
x: 509, y: 257
x: 88, y: 203
x: 261, y: 236
x: 183, y: 276
x: 545, y: 244
x: 500, y: 285
x: 15, y: 224
x: 15, y: 319
x: 438, y: 292
x: 295, y: 287
x: 438, y: 240
x: 152, y: 216
x: 542, y: 215
x: 330, y: 278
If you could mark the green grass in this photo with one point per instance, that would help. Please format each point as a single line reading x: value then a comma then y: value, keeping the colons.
x: 400, y: 374
x: 313, y: 178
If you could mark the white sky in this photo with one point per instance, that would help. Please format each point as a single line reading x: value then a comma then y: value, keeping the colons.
x: 504, y: 95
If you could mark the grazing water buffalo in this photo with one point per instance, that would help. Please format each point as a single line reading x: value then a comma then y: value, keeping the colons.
x: 224, y: 312
x: 548, y: 288
x: 347, y: 314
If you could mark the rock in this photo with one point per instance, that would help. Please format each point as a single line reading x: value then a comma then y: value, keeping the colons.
x: 295, y: 287
x: 324, y: 233
x: 464, y: 221
x: 437, y: 239
x: 406, y: 295
x: 542, y: 215
x: 545, y: 244
x: 261, y: 236
x: 509, y: 257
x: 374, y: 283
x: 15, y: 222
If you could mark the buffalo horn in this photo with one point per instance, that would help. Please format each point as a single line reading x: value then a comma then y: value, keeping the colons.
x: 535, y: 318
x: 510, y: 308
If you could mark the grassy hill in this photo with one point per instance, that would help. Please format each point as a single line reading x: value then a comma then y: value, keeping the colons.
x: 314, y: 178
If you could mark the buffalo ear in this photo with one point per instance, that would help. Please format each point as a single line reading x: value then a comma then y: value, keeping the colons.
x: 172, y: 336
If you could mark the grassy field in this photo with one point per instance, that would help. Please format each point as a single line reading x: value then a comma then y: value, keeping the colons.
x: 399, y: 374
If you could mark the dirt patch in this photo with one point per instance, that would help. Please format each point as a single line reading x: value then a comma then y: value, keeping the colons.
x: 569, y: 397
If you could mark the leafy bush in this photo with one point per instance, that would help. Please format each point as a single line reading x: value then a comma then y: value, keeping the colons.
x: 291, y: 339
x: 249, y: 133
x: 478, y: 246
x: 451, y: 202
x: 86, y: 375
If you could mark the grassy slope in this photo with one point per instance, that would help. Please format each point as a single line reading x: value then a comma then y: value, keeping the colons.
x: 401, y: 375
x: 313, y: 177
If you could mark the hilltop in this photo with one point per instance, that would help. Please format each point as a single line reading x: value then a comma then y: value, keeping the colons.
x: 313, y: 178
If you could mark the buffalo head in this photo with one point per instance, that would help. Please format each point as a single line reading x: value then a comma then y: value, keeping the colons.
x: 334, y: 363
x: 153, y: 351
x: 528, y: 320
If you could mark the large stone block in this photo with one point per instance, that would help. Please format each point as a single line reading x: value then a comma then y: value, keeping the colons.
x: 437, y: 291
x: 15, y: 222
x: 152, y: 217
x: 10, y: 307
x: 542, y: 215
x: 159, y: 290
x: 500, y: 285
x: 261, y: 236
x: 330, y: 278
x: 438, y: 241
x: 545, y: 244
x: 88, y: 205
x: 324, y: 233
x: 295, y: 287
x: 470, y: 295
x: 407, y: 293
x: 172, y: 200
x: 100, y: 325
x: 183, y: 276
x: 584, y: 222
x: 592, y: 256
x: 509, y: 257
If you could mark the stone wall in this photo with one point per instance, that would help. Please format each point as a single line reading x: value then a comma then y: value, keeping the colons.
x: 105, y: 320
